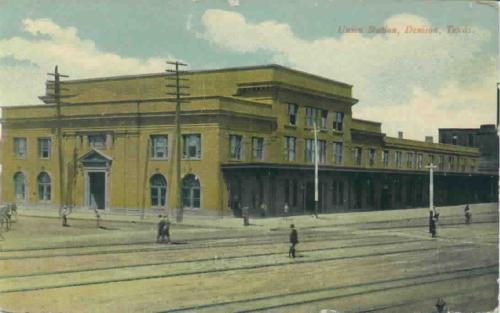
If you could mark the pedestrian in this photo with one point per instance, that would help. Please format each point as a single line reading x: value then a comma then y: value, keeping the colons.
x: 166, y: 231
x: 246, y: 217
x: 64, y: 215
x: 440, y: 305
x: 161, y: 226
x: 263, y: 209
x: 285, y: 210
x: 294, y: 240
x: 468, y: 215
x: 432, y: 224
x: 97, y: 218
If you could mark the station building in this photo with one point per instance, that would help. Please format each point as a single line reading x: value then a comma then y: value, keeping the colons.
x: 247, y: 139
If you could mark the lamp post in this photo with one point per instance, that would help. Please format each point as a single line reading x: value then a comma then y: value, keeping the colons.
x: 431, y: 168
x: 316, y: 161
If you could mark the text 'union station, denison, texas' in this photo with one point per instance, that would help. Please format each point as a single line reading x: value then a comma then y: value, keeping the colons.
x: 247, y: 140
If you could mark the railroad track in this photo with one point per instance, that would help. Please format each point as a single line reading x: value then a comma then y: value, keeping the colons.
x: 230, y: 269
x: 377, y: 286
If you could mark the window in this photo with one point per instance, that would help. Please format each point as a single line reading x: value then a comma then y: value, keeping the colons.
x: 337, y: 153
x: 451, y: 163
x: 158, y: 190
x: 292, y: 113
x: 159, y: 147
x: 190, y: 192
x: 398, y: 158
x: 236, y: 149
x: 20, y: 186
x: 310, y: 151
x: 409, y: 159
x: 358, y: 155
x: 472, y: 165
x: 290, y: 148
x: 471, y: 140
x: 372, y: 157
x: 431, y: 159
x: 441, y: 162
x: 191, y: 146
x: 454, y: 139
x: 324, y: 117
x: 20, y: 147
x: 43, y: 187
x: 44, y: 148
x: 386, y: 158
x: 310, y: 116
x: 286, y: 186
x: 338, y: 122
x: 97, y: 141
x: 257, y: 148
x: 318, y: 116
x: 295, y: 192
x: 420, y: 159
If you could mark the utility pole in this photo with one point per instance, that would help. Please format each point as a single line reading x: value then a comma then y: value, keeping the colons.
x: 178, y: 94
x: 56, y: 86
x: 316, y: 161
x: 431, y: 168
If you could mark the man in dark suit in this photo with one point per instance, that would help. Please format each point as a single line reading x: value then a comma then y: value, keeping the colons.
x: 294, y: 240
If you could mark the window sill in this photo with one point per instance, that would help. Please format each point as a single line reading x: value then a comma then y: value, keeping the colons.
x: 159, y: 159
x: 191, y: 159
x: 337, y: 131
x: 291, y: 126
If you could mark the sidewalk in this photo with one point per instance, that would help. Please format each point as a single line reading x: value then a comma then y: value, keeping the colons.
x: 229, y: 222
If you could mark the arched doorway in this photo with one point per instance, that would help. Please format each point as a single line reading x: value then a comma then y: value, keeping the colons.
x: 158, y: 185
x: 191, y: 192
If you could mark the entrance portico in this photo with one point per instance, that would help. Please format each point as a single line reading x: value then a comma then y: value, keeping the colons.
x: 96, y: 169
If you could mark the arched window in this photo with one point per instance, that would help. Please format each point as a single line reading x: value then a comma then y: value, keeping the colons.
x: 158, y: 190
x: 20, y: 186
x: 190, y: 192
x: 43, y: 186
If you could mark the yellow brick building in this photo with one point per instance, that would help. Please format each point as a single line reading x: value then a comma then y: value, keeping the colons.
x: 246, y: 141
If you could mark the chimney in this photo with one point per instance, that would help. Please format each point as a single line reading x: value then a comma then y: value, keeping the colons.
x: 400, y: 135
x: 429, y: 139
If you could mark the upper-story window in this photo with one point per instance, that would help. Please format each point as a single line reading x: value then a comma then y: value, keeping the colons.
x: 386, y: 158
x: 258, y: 148
x: 293, y: 110
x: 236, y: 147
x: 338, y: 151
x: 44, y: 148
x: 97, y: 141
x: 451, y: 163
x: 20, y: 147
x: 372, y: 155
x: 159, y: 147
x: 324, y: 118
x: 441, y: 162
x: 310, y: 152
x: 398, y: 159
x: 290, y: 148
x: 409, y: 159
x: 338, y: 121
x: 358, y: 155
x: 318, y: 116
x: 420, y: 160
x: 431, y: 159
x: 191, y: 146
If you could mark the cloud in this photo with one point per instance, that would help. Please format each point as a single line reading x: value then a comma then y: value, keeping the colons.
x: 24, y: 61
x: 392, y: 73
x: 233, y: 3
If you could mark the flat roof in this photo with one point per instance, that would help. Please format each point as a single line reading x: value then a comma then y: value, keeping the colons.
x: 228, y: 69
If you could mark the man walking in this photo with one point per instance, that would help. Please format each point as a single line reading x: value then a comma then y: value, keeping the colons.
x: 432, y: 224
x: 468, y: 215
x: 161, y: 229
x: 294, y: 240
x: 64, y: 215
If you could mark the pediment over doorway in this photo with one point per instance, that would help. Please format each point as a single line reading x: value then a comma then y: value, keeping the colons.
x: 95, y: 158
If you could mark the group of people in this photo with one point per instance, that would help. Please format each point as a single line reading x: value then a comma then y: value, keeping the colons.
x: 434, y: 219
x: 163, y: 230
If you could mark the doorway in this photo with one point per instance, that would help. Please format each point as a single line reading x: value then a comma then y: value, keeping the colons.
x: 97, y: 190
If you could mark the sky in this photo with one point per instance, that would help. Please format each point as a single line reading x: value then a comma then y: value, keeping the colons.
x: 430, y: 65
